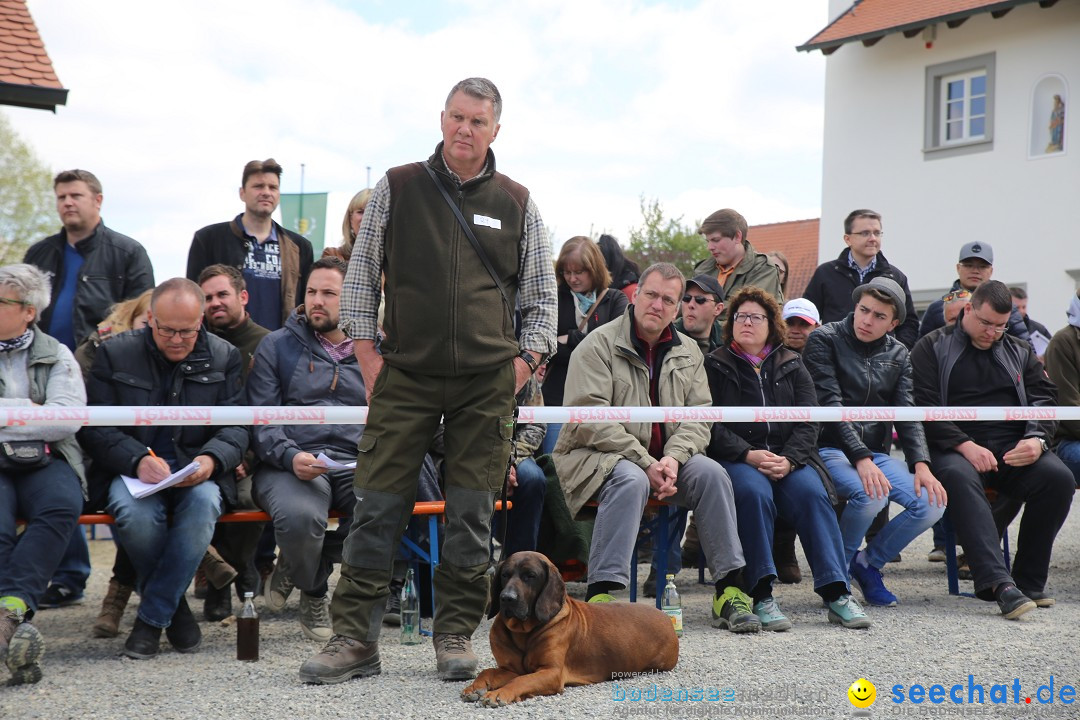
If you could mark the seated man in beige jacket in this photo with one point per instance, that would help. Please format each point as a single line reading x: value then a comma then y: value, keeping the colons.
x: 641, y: 360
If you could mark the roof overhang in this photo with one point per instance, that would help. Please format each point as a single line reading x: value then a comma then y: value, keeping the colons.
x: 32, y: 96
x: 868, y: 21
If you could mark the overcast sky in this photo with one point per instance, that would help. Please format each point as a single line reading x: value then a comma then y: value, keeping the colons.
x: 702, y: 105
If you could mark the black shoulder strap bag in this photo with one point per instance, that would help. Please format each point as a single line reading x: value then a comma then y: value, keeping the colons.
x: 509, y: 309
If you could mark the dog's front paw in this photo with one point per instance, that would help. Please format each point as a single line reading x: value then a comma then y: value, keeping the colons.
x: 472, y: 693
x: 496, y: 699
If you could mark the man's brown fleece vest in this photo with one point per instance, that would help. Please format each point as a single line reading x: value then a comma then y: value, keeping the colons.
x: 444, y: 314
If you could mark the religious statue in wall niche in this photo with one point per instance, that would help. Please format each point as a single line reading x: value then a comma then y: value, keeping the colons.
x: 1057, y: 126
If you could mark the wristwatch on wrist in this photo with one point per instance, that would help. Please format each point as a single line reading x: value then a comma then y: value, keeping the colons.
x: 1045, y: 445
x: 529, y: 360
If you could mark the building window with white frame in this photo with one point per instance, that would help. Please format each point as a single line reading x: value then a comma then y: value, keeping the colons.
x: 964, y: 102
x: 959, y: 107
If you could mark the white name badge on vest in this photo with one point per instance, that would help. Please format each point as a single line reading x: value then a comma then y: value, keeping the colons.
x: 485, y: 221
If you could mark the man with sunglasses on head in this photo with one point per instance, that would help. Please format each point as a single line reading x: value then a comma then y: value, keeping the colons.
x: 860, y: 262
x: 974, y: 363
x: 172, y: 362
x: 975, y: 266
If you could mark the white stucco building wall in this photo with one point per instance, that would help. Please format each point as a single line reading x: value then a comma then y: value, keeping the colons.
x: 1026, y: 205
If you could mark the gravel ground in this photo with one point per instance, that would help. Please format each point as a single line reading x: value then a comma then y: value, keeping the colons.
x: 929, y: 638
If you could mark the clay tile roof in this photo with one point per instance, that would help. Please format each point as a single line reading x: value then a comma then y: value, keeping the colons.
x: 871, y: 20
x: 798, y: 240
x: 27, y: 77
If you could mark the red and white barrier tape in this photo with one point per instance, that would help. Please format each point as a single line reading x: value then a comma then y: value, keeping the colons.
x: 122, y: 416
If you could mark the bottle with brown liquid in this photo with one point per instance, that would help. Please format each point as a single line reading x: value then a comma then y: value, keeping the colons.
x: 247, y: 630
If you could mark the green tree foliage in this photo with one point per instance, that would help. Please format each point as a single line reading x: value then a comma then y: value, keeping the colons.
x: 660, y: 239
x: 27, y: 204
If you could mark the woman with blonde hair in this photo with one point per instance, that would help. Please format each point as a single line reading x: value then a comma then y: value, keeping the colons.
x: 130, y: 314
x: 350, y: 226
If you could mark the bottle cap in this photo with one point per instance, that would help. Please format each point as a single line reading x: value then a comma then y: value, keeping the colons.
x: 670, y: 577
x: 249, y: 595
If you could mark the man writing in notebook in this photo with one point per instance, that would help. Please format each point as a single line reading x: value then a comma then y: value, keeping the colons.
x: 173, y: 361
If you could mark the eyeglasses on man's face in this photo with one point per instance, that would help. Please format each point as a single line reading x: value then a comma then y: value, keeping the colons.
x: 699, y: 299
x: 987, y: 326
x: 12, y: 301
x: 867, y: 234
x: 168, y: 333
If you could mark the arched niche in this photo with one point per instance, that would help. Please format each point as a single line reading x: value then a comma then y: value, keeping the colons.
x: 1049, y: 113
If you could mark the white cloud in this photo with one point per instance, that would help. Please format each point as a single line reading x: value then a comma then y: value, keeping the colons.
x: 701, y: 105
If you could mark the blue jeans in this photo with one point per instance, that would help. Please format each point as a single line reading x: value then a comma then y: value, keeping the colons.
x: 50, y: 500
x: 528, y: 502
x: 1069, y: 453
x: 801, y: 500
x: 74, y: 568
x: 918, y: 514
x: 551, y: 436
x: 165, y: 551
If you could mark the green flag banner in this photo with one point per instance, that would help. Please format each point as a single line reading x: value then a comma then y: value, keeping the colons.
x: 305, y: 214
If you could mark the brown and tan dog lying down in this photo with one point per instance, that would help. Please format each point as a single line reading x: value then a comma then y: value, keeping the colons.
x: 544, y: 640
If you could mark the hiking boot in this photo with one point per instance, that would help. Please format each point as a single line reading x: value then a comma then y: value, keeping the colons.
x: 1040, y: 598
x: 218, y: 572
x: 769, y: 614
x: 315, y: 617
x: 116, y: 599
x: 846, y: 611
x: 58, y: 596
x: 392, y: 615
x: 218, y: 603
x: 277, y: 589
x: 21, y: 647
x: 787, y: 564
x: 649, y: 588
x: 731, y: 611
x: 963, y: 570
x: 873, y: 587
x: 1012, y: 602
x: 200, y: 584
x: 342, y: 659
x: 454, y: 657
x: 183, y: 632
x: 936, y: 555
x: 144, y: 642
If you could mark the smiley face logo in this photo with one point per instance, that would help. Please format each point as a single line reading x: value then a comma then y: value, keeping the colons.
x: 862, y: 693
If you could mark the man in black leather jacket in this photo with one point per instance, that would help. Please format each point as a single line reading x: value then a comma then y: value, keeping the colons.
x: 173, y: 362
x: 974, y: 362
x: 855, y: 362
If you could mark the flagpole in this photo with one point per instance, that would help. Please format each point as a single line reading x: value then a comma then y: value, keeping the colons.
x: 300, y: 214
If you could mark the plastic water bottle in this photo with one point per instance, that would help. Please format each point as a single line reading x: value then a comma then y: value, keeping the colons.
x: 247, y: 630
x: 410, y: 611
x: 671, y: 604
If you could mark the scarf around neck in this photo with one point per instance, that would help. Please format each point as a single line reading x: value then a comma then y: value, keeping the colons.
x: 17, y: 343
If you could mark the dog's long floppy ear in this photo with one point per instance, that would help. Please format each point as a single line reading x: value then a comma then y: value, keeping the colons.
x: 552, y: 597
x: 496, y: 590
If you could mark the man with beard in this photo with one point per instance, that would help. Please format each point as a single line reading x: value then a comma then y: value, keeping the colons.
x: 308, y: 362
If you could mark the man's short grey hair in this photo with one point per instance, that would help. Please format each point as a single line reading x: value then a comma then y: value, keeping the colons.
x: 28, y: 283
x: 177, y: 285
x: 481, y: 89
x: 668, y: 272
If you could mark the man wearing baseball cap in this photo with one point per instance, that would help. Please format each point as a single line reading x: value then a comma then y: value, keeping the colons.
x: 856, y: 362
x: 975, y: 266
x: 702, y: 306
x: 802, y: 318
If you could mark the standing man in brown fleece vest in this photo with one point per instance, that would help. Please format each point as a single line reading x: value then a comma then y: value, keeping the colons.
x: 449, y: 351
